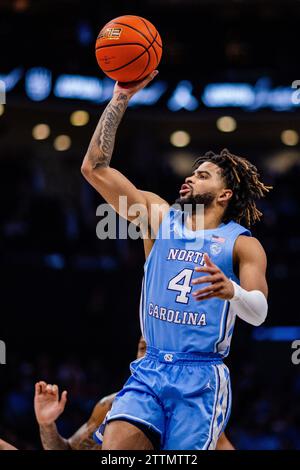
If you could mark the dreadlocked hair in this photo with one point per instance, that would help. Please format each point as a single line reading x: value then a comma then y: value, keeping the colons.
x: 243, y: 179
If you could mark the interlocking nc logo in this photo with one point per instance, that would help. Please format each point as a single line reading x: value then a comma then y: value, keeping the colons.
x: 168, y: 357
x: 111, y: 33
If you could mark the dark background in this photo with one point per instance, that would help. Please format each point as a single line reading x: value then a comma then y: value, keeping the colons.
x: 69, y: 302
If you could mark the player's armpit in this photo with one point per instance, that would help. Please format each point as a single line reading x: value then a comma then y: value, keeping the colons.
x: 141, y: 207
x: 156, y: 209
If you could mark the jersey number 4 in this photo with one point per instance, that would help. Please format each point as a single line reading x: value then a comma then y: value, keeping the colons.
x: 181, y: 283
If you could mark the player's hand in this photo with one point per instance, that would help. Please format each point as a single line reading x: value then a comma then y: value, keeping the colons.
x: 131, y: 88
x: 47, y: 405
x: 220, y: 285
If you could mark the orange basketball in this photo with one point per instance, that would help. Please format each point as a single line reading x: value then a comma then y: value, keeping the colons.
x: 128, y: 48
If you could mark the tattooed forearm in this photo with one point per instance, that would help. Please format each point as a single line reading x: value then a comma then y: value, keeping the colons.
x: 86, y: 443
x: 51, y: 439
x: 102, y: 144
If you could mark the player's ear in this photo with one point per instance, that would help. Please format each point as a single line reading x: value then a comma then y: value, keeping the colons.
x: 225, y: 195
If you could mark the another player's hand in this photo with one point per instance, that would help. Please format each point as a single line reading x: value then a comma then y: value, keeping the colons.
x: 131, y: 88
x: 47, y: 405
x: 220, y: 285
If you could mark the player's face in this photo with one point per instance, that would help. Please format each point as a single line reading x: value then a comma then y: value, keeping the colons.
x: 141, y: 348
x: 204, y: 186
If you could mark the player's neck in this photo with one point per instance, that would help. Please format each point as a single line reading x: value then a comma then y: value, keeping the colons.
x: 208, y: 221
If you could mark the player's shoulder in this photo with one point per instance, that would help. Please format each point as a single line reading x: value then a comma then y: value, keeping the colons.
x: 246, y: 246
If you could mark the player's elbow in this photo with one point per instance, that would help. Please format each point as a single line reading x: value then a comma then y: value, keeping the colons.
x: 250, y: 306
x: 261, y: 310
x: 259, y: 320
x: 86, y: 169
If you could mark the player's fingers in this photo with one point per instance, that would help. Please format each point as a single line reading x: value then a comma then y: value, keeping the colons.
x: 213, y: 288
x: 207, y: 269
x: 55, y: 390
x: 151, y: 75
x: 138, y: 85
x: 208, y: 261
x: 205, y: 297
x: 43, y: 386
x: 203, y: 279
x: 49, y: 389
x: 149, y: 78
x: 63, y: 399
x: 38, y: 388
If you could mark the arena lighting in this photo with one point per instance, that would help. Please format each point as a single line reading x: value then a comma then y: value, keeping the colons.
x: 79, y: 118
x: 38, y: 83
x: 289, y: 137
x: 41, y: 132
x: 38, y: 86
x: 12, y: 78
x: 218, y: 95
x: 55, y: 261
x: 181, y: 161
x: 150, y: 95
x: 62, y: 143
x: 226, y: 124
x: 100, y: 91
x: 78, y: 87
x: 182, y: 97
x: 276, y: 333
x: 281, y: 162
x: 180, y: 138
x: 249, y: 97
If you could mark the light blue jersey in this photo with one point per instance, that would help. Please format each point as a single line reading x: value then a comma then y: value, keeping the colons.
x: 180, y: 391
x: 171, y: 319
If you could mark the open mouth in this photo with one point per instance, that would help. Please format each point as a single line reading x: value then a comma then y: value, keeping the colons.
x: 185, y: 189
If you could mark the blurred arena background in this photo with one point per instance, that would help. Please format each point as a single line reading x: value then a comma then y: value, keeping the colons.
x: 69, y: 302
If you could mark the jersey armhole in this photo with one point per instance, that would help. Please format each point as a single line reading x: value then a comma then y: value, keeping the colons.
x: 233, y: 266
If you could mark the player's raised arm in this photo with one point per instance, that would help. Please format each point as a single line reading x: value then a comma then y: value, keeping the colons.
x: 109, y: 182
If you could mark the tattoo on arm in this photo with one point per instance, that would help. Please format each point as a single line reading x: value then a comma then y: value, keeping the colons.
x: 51, y: 439
x: 102, y: 144
x: 86, y: 443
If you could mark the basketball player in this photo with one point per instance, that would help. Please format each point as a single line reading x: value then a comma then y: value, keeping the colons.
x: 190, y: 297
x: 49, y: 406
